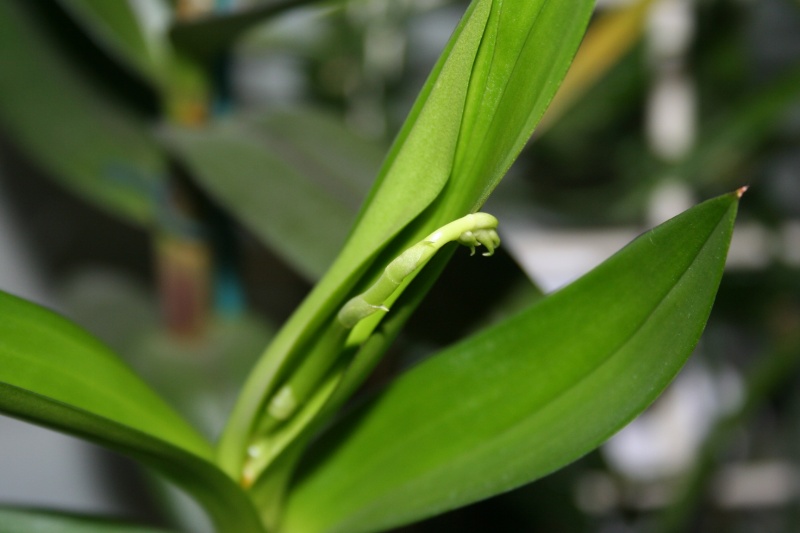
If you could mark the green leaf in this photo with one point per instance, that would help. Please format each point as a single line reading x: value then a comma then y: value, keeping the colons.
x: 37, y: 521
x: 416, y: 169
x: 46, y: 355
x: 115, y: 27
x: 66, y: 123
x: 486, y: 93
x: 55, y: 374
x: 524, y: 398
x: 525, y: 53
x: 280, y: 175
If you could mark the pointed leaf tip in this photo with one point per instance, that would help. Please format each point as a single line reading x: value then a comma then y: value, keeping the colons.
x: 741, y: 190
x: 525, y: 397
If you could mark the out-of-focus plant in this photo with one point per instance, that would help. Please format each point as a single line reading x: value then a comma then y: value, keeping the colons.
x: 496, y: 410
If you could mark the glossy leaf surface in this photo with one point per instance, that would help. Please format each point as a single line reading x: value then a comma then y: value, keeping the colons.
x: 55, y: 374
x: 66, y: 123
x: 524, y: 398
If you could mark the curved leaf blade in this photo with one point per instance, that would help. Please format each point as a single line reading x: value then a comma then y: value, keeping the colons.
x: 45, y: 354
x: 413, y: 174
x: 425, y: 182
x: 525, y: 53
x: 55, y: 374
x: 207, y: 36
x: 526, y: 397
x: 420, y: 162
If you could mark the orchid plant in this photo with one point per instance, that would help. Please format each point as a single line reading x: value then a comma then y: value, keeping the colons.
x: 500, y: 408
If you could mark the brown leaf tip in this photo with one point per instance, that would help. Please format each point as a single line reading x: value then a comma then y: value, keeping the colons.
x: 741, y: 190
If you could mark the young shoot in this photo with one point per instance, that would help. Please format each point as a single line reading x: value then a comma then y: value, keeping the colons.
x: 473, y: 230
x: 477, y: 229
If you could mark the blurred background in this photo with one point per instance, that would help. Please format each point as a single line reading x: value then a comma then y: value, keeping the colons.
x: 175, y: 175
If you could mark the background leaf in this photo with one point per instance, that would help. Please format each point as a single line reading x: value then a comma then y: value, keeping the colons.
x: 280, y: 174
x: 64, y: 120
x: 525, y: 397
x: 55, y: 374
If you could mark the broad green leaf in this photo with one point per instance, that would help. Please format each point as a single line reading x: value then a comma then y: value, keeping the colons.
x: 282, y: 174
x: 115, y: 27
x: 424, y: 161
x: 67, y: 125
x: 523, y: 398
x: 525, y: 53
x: 38, y: 521
x: 55, y: 374
x: 431, y: 131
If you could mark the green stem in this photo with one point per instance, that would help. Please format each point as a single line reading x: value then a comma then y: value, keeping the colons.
x: 472, y: 230
x: 331, y: 351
